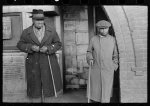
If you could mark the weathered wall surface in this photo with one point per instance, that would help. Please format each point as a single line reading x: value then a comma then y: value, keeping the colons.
x: 75, y: 40
x: 14, y: 79
x: 130, y: 25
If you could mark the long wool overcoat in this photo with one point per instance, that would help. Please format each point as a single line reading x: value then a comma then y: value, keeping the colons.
x: 104, y: 53
x: 38, y: 75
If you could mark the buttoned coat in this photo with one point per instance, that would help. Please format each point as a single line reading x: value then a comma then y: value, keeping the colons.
x: 104, y: 53
x: 38, y: 75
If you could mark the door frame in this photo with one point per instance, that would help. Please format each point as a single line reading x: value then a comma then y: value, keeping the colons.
x: 92, y: 32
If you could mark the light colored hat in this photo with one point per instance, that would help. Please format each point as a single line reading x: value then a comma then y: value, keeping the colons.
x: 103, y: 24
x: 37, y: 14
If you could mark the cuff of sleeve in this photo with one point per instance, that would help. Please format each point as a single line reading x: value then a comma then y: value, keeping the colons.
x: 50, y: 49
x: 115, y: 66
x: 28, y: 48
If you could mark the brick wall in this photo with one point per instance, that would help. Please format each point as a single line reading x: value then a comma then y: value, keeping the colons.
x: 130, y: 26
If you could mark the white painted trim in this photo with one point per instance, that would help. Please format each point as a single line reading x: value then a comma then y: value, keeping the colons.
x: 29, y: 8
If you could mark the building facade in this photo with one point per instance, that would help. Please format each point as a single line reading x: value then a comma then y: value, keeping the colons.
x: 75, y: 26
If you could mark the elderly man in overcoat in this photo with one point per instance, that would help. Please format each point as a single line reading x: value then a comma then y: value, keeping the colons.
x: 40, y: 41
x: 102, y: 55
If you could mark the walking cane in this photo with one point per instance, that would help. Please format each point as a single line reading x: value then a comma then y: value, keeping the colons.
x: 52, y: 76
x: 42, y: 98
x: 89, y: 83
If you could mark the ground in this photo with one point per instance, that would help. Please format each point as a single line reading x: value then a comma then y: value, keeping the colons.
x: 69, y: 96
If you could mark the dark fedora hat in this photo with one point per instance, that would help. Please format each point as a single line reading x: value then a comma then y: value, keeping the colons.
x: 37, y: 14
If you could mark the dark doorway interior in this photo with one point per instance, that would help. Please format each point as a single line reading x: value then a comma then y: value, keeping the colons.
x: 100, y: 14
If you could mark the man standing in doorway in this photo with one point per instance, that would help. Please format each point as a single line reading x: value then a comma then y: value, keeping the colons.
x: 102, y: 56
x: 42, y: 69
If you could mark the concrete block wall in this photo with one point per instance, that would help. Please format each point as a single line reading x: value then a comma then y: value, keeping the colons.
x: 137, y: 82
x: 76, y: 39
x: 130, y: 26
x: 75, y: 32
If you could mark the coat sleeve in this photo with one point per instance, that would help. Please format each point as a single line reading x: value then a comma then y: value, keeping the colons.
x: 56, y: 44
x: 23, y: 43
x: 115, y: 56
x: 89, y: 55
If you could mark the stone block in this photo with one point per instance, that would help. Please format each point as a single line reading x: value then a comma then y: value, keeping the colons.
x: 82, y: 49
x: 134, y: 11
x: 141, y: 64
x: 70, y: 50
x: 141, y: 50
x: 130, y: 54
x: 123, y: 67
x: 130, y: 75
x: 142, y: 59
x: 139, y: 34
x: 14, y: 83
x: 82, y: 25
x: 123, y: 75
x: 130, y: 64
x: 142, y: 77
x: 84, y: 14
x: 122, y: 55
x: 130, y: 59
x: 140, y: 46
x: 139, y: 68
x: 132, y: 92
x: 136, y: 98
x: 71, y: 16
x: 74, y: 61
x: 82, y: 58
x: 128, y: 41
x: 140, y: 41
x: 131, y: 83
x: 121, y: 48
x: 70, y: 61
x: 69, y: 25
x: 138, y: 27
x: 82, y: 38
x: 75, y: 13
x: 142, y: 21
x: 69, y: 37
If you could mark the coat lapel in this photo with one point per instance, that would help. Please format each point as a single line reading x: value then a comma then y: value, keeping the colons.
x: 33, y: 37
x: 46, y: 35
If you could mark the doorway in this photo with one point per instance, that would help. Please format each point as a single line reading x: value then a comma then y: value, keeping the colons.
x: 95, y: 14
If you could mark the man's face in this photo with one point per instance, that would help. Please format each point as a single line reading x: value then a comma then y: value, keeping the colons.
x: 38, y: 23
x: 103, y: 31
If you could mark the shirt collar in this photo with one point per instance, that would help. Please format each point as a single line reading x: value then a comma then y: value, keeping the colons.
x: 102, y: 36
x: 39, y: 29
